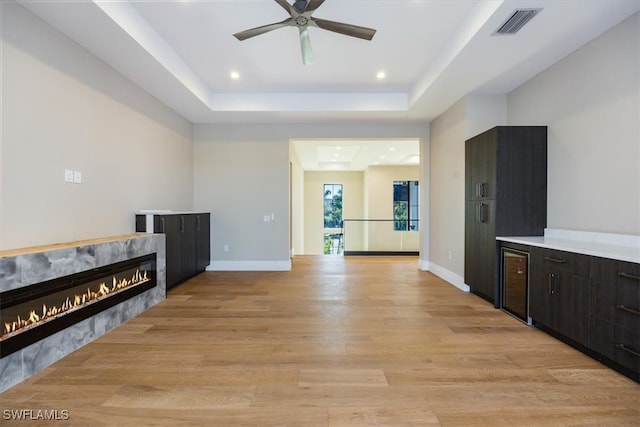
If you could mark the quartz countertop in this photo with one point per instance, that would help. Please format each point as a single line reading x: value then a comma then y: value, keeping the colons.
x: 586, y: 247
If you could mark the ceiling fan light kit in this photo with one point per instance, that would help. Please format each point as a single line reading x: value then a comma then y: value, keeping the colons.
x: 300, y: 16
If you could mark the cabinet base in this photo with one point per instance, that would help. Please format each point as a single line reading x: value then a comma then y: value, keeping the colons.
x: 633, y: 375
x: 482, y: 295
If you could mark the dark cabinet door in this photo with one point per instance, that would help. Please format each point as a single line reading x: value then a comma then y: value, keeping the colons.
x: 203, y: 241
x: 480, y: 235
x: 541, y: 300
x: 480, y: 167
x: 187, y: 245
x: 559, y: 292
x: 572, y: 302
x: 615, y: 311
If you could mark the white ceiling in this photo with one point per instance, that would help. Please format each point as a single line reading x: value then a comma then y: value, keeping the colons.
x: 433, y: 53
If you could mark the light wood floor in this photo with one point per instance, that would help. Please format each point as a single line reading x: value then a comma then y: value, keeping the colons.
x: 335, y: 342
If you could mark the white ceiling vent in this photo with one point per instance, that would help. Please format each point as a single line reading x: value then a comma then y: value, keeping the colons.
x: 516, y: 21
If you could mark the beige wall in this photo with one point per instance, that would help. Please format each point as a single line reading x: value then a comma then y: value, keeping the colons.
x: 62, y: 108
x: 297, y: 203
x: 381, y: 236
x: 591, y: 103
x: 223, y: 152
x: 448, y: 133
x: 466, y: 118
x: 243, y: 181
x: 352, y: 205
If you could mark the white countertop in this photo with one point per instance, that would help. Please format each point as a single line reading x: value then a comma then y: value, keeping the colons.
x: 604, y: 248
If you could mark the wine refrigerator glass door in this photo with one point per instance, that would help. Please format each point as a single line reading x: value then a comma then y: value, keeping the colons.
x: 515, y: 283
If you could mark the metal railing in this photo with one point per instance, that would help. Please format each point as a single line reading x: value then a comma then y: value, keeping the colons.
x: 381, y: 237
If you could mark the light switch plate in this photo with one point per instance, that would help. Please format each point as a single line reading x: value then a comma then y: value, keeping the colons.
x: 68, y: 175
x: 77, y: 177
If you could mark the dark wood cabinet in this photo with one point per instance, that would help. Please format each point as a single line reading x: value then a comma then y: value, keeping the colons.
x: 589, y: 302
x: 559, y: 292
x: 614, y: 309
x: 188, y: 245
x: 506, y: 195
x: 203, y: 240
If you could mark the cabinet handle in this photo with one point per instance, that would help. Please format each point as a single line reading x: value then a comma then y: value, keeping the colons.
x: 627, y: 349
x: 550, y: 283
x: 182, y: 224
x: 198, y: 223
x: 558, y: 260
x: 482, y: 187
x: 478, y: 189
x: 628, y: 276
x: 162, y: 221
x: 482, y: 209
x: 628, y: 309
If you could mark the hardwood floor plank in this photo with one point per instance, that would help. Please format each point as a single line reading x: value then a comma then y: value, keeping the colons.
x: 357, y: 341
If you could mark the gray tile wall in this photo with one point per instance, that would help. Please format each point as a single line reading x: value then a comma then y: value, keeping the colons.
x: 24, y: 270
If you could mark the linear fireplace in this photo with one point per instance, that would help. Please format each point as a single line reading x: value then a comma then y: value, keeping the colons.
x: 31, y: 313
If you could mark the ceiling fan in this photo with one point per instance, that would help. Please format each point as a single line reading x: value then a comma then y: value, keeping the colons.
x: 300, y: 16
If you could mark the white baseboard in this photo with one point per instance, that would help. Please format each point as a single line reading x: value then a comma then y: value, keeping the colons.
x: 249, y: 265
x: 448, y: 275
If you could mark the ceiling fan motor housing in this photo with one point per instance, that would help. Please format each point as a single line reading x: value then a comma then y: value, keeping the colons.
x: 300, y: 5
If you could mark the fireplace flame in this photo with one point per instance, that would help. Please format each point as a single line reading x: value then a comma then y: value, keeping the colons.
x: 71, y: 303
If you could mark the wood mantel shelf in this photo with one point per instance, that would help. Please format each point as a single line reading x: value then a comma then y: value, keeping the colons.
x: 66, y: 245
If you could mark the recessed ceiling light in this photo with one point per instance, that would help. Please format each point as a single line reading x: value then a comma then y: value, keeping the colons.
x: 392, y: 148
x: 381, y: 75
x: 234, y: 75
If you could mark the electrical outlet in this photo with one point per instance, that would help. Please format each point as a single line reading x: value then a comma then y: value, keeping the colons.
x: 77, y: 177
x: 68, y: 175
x: 225, y: 248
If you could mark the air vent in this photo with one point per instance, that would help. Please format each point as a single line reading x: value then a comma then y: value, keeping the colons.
x: 516, y: 21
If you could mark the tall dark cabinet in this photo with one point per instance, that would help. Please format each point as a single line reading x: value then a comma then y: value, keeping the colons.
x: 187, y: 243
x: 505, y: 195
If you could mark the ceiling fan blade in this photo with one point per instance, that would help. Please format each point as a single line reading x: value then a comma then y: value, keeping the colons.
x: 246, y: 34
x: 346, y: 29
x: 286, y: 6
x: 305, y: 46
x: 313, y: 5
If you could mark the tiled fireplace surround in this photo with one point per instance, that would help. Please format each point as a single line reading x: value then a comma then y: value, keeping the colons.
x: 21, y: 268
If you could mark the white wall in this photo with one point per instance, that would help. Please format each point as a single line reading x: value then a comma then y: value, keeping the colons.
x: 62, y: 108
x: 591, y: 103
